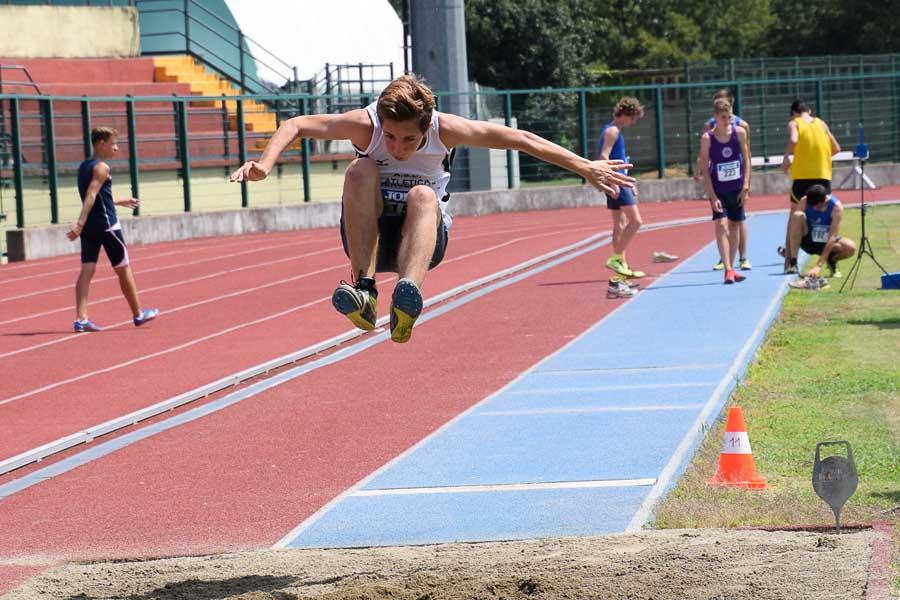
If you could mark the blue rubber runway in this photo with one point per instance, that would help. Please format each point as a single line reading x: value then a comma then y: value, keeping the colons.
x: 589, y: 439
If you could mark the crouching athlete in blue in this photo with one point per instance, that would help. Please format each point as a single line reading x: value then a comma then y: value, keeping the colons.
x: 815, y: 228
x: 97, y: 226
x: 395, y: 201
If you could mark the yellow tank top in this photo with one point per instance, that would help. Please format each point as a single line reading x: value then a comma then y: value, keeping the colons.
x: 812, y: 154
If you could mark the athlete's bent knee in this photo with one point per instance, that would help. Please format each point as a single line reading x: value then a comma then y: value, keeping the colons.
x: 421, y: 198
x: 361, y: 171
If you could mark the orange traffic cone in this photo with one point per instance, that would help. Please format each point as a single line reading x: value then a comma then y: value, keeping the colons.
x: 736, y: 467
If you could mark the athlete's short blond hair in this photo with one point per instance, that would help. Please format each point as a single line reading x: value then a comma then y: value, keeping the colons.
x: 407, y: 98
x: 103, y: 134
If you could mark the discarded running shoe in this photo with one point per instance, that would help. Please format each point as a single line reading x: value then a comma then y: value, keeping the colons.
x: 810, y: 283
x: 664, y: 257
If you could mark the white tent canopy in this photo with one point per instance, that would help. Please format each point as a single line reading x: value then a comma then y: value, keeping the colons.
x: 309, y: 33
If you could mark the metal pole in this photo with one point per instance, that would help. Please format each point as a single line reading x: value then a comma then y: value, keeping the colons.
x: 50, y: 149
x: 507, y: 115
x: 185, y: 155
x: 133, y: 153
x: 582, y: 125
x: 86, y: 128
x: 307, y: 195
x: 820, y: 105
x: 187, y: 26
x: 862, y: 85
x: 243, y: 75
x: 361, y: 88
x: 660, y: 145
x: 688, y: 117
x: 895, y: 117
x: 226, y: 151
x: 406, y: 46
x: 242, y: 150
x: 738, y: 98
x: 18, y: 176
x: 765, y: 127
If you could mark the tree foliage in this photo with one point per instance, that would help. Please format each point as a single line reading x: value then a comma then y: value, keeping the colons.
x: 559, y: 43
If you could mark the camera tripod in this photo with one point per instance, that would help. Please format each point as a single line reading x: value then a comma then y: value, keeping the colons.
x: 865, y: 246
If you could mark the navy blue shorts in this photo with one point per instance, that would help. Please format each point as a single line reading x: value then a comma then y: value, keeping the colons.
x: 733, y: 211
x: 390, y: 233
x: 626, y: 198
x: 113, y: 242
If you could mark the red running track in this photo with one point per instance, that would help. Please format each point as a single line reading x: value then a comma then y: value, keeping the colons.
x: 243, y: 477
x: 213, y: 326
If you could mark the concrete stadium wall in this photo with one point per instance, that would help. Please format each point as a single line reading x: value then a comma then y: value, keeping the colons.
x: 68, y: 31
x: 43, y: 242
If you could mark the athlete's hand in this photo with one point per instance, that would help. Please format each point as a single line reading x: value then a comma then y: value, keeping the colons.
x: 742, y: 197
x: 249, y: 171
x: 814, y: 272
x: 717, y: 205
x: 786, y: 165
x: 129, y: 202
x: 74, y: 231
x: 604, y: 174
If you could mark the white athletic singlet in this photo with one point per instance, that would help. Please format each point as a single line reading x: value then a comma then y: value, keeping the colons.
x: 429, y: 165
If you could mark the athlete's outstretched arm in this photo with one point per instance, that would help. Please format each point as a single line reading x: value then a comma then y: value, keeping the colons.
x: 602, y: 174
x: 354, y: 125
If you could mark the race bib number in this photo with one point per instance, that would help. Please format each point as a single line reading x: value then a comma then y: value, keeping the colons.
x: 729, y: 171
x: 819, y: 234
x: 394, y: 202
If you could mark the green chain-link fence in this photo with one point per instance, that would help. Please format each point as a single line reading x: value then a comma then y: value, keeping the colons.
x: 176, y: 152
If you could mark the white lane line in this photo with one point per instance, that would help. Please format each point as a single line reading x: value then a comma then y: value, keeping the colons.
x: 182, y: 346
x: 667, y: 475
x: 505, y: 487
x: 650, y: 369
x: 143, y: 257
x: 152, y: 270
x: 609, y: 388
x: 176, y: 284
x: 585, y: 410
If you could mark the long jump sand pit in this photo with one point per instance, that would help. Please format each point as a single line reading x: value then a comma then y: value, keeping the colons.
x: 679, y: 564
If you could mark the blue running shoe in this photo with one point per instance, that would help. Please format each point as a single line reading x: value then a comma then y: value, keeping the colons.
x: 85, y: 326
x: 148, y: 314
x: 406, y: 306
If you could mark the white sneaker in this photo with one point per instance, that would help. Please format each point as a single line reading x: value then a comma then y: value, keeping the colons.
x: 620, y: 289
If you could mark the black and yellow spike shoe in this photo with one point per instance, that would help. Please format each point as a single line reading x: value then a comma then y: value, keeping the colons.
x: 359, y: 302
x: 406, y: 306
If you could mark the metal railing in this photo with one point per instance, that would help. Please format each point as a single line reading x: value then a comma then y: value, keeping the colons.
x: 50, y: 135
